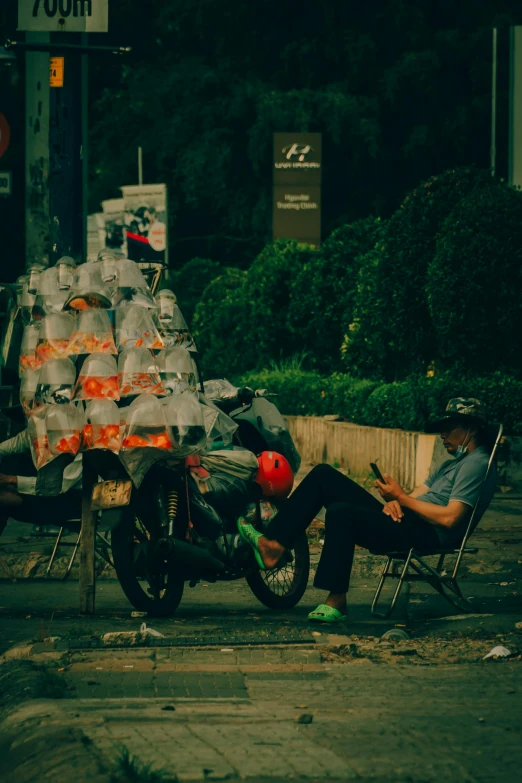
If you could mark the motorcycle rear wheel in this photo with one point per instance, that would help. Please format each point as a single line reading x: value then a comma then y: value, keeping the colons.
x: 283, y: 588
x: 159, y: 594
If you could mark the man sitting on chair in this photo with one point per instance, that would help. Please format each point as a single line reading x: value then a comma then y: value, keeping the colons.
x: 433, y: 516
x: 18, y: 498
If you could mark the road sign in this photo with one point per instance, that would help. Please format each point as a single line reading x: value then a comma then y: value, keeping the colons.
x: 66, y: 16
x: 5, y: 134
x: 56, y: 72
x: 5, y: 183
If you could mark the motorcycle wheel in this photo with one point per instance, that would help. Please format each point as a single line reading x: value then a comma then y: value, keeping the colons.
x: 283, y: 588
x: 160, y: 593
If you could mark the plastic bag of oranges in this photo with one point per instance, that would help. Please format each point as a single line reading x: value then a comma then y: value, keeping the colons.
x: 93, y: 334
x: 102, y: 430
x: 98, y: 378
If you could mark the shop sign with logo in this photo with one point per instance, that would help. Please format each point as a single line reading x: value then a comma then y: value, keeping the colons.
x: 297, y: 187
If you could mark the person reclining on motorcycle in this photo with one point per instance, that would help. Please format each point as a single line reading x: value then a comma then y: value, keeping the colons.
x: 18, y: 498
x: 434, y: 515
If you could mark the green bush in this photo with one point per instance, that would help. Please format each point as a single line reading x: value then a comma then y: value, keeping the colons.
x: 391, y: 334
x: 190, y: 281
x: 218, y: 324
x: 474, y: 283
x: 409, y: 405
x: 323, y: 290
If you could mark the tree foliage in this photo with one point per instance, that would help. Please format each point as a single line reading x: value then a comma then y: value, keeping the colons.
x: 190, y: 280
x: 474, y: 283
x: 322, y: 296
x: 391, y: 335
x: 398, y: 90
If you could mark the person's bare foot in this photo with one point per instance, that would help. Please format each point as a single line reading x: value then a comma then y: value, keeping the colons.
x: 270, y: 551
x: 337, y: 601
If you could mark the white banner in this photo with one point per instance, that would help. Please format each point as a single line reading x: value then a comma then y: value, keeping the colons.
x: 64, y: 16
x: 146, y: 222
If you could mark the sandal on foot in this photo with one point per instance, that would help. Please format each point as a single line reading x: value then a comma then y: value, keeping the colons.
x: 249, y: 534
x: 326, y: 614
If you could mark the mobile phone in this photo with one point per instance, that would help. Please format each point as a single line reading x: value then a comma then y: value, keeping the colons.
x: 377, y: 472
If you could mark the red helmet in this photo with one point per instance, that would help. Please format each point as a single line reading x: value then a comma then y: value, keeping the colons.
x: 275, y: 475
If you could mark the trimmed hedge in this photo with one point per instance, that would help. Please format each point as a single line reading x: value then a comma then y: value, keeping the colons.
x: 408, y: 405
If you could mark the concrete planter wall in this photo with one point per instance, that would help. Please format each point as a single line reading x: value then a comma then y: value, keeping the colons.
x: 407, y: 456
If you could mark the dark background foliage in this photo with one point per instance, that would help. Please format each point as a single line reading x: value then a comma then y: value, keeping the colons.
x: 399, y: 89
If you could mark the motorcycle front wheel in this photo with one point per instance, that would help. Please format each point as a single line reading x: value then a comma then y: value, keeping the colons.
x: 283, y: 587
x: 156, y: 591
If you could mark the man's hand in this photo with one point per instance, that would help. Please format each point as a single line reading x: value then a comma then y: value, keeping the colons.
x: 389, y: 489
x: 6, y: 481
x: 393, y: 509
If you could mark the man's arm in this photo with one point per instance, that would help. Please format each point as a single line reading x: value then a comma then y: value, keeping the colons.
x: 16, y: 445
x: 440, y: 516
x: 420, y: 490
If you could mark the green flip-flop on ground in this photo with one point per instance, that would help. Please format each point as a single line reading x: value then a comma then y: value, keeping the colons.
x: 249, y: 534
x: 326, y: 614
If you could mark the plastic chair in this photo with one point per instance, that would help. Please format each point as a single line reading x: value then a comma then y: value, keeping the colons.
x: 416, y: 569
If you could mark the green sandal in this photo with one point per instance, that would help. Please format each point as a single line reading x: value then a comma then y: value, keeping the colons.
x: 249, y: 534
x: 326, y: 614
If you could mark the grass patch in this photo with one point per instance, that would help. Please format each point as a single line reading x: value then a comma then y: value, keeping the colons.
x: 131, y: 770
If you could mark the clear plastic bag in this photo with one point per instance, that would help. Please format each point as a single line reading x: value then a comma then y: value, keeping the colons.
x: 174, y: 329
x: 55, y: 336
x: 131, y: 286
x: 64, y: 425
x: 66, y: 268
x: 56, y: 382
x: 184, y: 415
x: 98, y: 378
x: 92, y: 334
x: 102, y: 428
x: 28, y: 358
x: 177, y: 370
x: 28, y: 386
x: 146, y: 426
x: 109, y: 266
x: 138, y: 373
x: 135, y: 328
x: 50, y: 298
x: 220, y: 389
x: 88, y: 290
x: 38, y: 439
x: 219, y: 427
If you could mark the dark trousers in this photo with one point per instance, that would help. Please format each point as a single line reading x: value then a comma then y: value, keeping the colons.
x: 353, y: 516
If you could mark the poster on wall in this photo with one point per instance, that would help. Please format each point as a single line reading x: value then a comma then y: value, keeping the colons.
x: 111, y: 226
x: 146, y: 222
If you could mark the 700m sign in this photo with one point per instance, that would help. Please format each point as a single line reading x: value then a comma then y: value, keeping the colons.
x: 68, y: 16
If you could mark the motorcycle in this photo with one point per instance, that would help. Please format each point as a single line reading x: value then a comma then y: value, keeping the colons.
x: 164, y: 535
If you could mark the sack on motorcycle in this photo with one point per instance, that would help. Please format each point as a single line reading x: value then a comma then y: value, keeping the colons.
x: 238, y: 462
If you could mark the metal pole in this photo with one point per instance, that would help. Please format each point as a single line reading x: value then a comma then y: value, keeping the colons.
x: 84, y: 87
x: 140, y: 166
x: 493, y: 150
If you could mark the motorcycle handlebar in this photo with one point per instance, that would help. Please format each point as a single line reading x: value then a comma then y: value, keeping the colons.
x: 246, y: 394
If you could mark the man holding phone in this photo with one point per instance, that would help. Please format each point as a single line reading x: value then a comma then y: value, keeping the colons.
x: 433, y: 515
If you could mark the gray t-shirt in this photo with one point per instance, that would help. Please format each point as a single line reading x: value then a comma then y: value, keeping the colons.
x: 461, y: 479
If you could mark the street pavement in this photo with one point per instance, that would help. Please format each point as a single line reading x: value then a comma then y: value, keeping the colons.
x: 296, y: 703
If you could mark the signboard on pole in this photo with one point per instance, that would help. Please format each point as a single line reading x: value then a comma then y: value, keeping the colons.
x: 297, y: 187
x: 64, y: 16
x: 5, y: 183
x: 5, y: 134
x: 146, y: 222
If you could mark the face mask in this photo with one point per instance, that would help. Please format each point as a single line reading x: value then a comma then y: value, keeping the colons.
x: 462, y: 450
